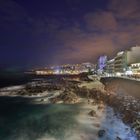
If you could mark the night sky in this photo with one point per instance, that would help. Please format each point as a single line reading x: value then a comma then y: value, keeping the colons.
x: 37, y: 33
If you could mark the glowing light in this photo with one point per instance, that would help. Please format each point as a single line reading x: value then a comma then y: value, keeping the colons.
x: 118, y: 74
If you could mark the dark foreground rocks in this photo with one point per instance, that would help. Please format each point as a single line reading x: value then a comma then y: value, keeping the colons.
x: 101, y: 133
x: 66, y: 97
x: 36, y: 88
x: 118, y: 138
x: 92, y: 113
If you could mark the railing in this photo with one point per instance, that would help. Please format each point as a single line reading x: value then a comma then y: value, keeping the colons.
x: 124, y: 77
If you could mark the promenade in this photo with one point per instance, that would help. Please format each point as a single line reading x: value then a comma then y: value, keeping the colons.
x: 123, y: 77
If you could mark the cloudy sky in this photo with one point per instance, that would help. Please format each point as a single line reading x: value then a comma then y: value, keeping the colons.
x: 36, y: 33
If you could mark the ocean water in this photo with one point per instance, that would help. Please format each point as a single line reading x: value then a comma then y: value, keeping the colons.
x: 18, y: 78
x: 10, y: 79
x: 20, y: 119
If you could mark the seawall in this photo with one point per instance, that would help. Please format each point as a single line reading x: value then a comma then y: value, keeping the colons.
x: 122, y: 86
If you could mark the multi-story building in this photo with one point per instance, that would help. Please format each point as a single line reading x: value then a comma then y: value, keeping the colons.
x: 123, y: 60
x: 135, y: 68
x: 110, y: 66
x: 120, y: 63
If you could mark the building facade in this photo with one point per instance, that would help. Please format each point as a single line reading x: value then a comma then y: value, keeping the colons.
x: 135, y: 68
x: 120, y: 62
x: 110, y: 66
x: 125, y: 62
x: 102, y: 61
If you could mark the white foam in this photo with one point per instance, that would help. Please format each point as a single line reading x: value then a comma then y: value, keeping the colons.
x: 12, y: 88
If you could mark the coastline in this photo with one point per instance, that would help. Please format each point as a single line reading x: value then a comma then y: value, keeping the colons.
x: 69, y: 92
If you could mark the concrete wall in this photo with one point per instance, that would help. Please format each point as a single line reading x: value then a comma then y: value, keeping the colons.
x: 124, y: 86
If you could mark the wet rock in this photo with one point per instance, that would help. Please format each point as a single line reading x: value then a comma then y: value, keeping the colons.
x: 66, y: 97
x: 101, y: 106
x: 118, y: 138
x: 22, y: 92
x: 128, y: 116
x: 41, y: 100
x: 92, y: 113
x: 54, y: 100
x: 101, y: 133
x: 136, y: 125
x: 97, y: 125
x: 94, y: 103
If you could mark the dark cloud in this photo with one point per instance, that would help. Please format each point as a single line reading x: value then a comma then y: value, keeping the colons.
x: 60, y: 34
x: 126, y: 9
x: 102, y: 20
x: 108, y: 31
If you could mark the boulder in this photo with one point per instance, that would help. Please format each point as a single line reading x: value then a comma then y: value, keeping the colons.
x: 118, y: 138
x: 92, y: 113
x: 101, y: 133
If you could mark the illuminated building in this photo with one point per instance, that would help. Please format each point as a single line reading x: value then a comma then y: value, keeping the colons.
x: 135, y: 68
x: 44, y: 72
x: 110, y: 66
x: 123, y: 61
x: 102, y: 61
x: 120, y: 64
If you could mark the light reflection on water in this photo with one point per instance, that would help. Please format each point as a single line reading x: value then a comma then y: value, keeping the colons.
x: 24, y: 121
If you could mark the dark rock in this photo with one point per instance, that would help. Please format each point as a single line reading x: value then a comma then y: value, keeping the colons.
x: 66, y: 97
x: 118, y: 138
x: 42, y: 100
x: 100, y: 107
x: 101, y: 133
x: 92, y: 113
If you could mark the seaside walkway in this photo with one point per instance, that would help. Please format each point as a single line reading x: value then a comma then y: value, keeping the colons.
x: 123, y: 77
x: 98, y: 77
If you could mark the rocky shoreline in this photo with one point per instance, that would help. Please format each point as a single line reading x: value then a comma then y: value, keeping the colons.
x: 72, y: 91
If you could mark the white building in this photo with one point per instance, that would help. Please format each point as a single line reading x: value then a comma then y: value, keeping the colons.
x: 135, y: 67
x: 110, y: 66
x: 133, y: 55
